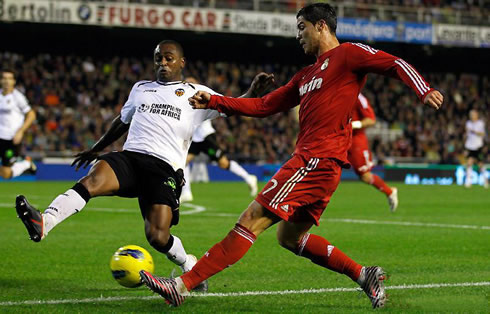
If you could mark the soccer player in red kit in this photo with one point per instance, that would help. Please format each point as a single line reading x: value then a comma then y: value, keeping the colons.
x: 298, y: 193
x: 360, y: 156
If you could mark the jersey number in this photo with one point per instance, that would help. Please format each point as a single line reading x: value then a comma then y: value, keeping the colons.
x: 274, y: 184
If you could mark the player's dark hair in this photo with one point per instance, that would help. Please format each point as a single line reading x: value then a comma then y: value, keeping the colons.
x: 320, y: 11
x: 8, y: 70
x: 176, y: 44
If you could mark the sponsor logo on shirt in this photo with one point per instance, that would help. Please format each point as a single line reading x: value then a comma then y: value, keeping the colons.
x: 179, y: 92
x: 166, y: 110
x: 5, y: 111
x: 315, y: 83
x: 150, y: 91
x: 143, y: 108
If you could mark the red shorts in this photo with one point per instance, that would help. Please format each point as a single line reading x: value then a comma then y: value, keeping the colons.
x: 360, y: 156
x: 301, y: 189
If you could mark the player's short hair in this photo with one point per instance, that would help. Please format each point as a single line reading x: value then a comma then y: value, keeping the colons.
x: 320, y: 11
x: 173, y: 42
x: 7, y: 70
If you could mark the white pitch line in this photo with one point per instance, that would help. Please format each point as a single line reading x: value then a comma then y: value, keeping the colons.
x: 407, y: 223
x: 244, y: 294
x: 195, y: 209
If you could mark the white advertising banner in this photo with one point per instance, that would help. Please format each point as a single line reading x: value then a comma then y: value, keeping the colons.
x: 461, y: 35
x: 147, y: 16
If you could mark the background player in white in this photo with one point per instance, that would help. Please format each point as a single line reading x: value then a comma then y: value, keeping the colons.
x: 475, y: 133
x: 160, y: 123
x: 204, y: 140
x: 16, y: 116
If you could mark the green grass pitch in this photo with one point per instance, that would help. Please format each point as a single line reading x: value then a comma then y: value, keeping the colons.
x: 439, y: 235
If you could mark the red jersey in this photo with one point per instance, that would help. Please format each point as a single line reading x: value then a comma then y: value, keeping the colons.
x: 362, y: 110
x: 327, y: 93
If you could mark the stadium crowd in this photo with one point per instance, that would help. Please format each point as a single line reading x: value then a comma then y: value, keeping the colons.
x: 77, y: 97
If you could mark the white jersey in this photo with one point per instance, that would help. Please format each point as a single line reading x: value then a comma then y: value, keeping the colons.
x: 13, y: 108
x: 205, y: 129
x: 162, y: 121
x: 473, y: 140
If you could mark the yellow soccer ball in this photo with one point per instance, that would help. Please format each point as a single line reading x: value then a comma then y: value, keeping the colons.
x: 127, y: 262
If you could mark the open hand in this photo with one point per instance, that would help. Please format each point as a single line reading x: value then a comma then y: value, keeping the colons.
x: 434, y: 99
x: 261, y: 82
x: 200, y: 100
x: 84, y: 159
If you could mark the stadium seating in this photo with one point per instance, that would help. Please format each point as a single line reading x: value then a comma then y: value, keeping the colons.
x: 76, y: 99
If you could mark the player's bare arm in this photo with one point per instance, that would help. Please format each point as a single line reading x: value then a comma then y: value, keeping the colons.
x: 29, y: 119
x: 117, y: 129
x: 434, y: 99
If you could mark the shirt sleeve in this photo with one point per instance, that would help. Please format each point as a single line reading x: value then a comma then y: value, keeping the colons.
x: 281, y: 99
x: 365, y: 109
x: 23, y: 103
x: 365, y: 59
x: 129, y: 108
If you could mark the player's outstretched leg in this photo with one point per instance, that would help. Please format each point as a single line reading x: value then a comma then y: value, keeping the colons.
x: 166, y: 287
x: 371, y: 281
x: 483, y: 173
x: 390, y: 192
x: 321, y: 252
x: 23, y: 166
x: 65, y: 205
x: 31, y: 217
x: 235, y: 168
x: 393, y: 199
x: 203, y: 286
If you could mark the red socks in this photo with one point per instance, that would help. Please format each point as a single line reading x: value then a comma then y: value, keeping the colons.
x: 322, y: 253
x: 223, y: 254
x: 381, y: 185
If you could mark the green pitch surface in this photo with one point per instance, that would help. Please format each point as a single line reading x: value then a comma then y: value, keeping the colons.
x: 436, y: 249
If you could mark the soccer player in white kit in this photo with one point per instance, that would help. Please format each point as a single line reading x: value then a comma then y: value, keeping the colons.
x: 160, y: 123
x: 475, y: 133
x: 16, y: 116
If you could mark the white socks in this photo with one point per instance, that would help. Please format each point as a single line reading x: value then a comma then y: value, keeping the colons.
x: 62, y: 207
x: 177, y: 255
x: 181, y: 288
x: 19, y: 167
x: 186, y: 189
x: 468, y: 179
x: 238, y: 170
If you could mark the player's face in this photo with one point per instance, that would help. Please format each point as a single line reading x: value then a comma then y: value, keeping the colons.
x: 168, y: 63
x: 307, y: 36
x: 473, y: 115
x: 7, y: 81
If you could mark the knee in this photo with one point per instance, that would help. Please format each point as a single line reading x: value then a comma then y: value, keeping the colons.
x: 4, y: 172
x: 224, y: 163
x: 91, y: 182
x: 157, y: 237
x: 366, y: 177
x: 288, y: 244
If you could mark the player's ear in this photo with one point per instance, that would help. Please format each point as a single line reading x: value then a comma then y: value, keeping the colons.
x: 321, y: 25
x: 182, y: 62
